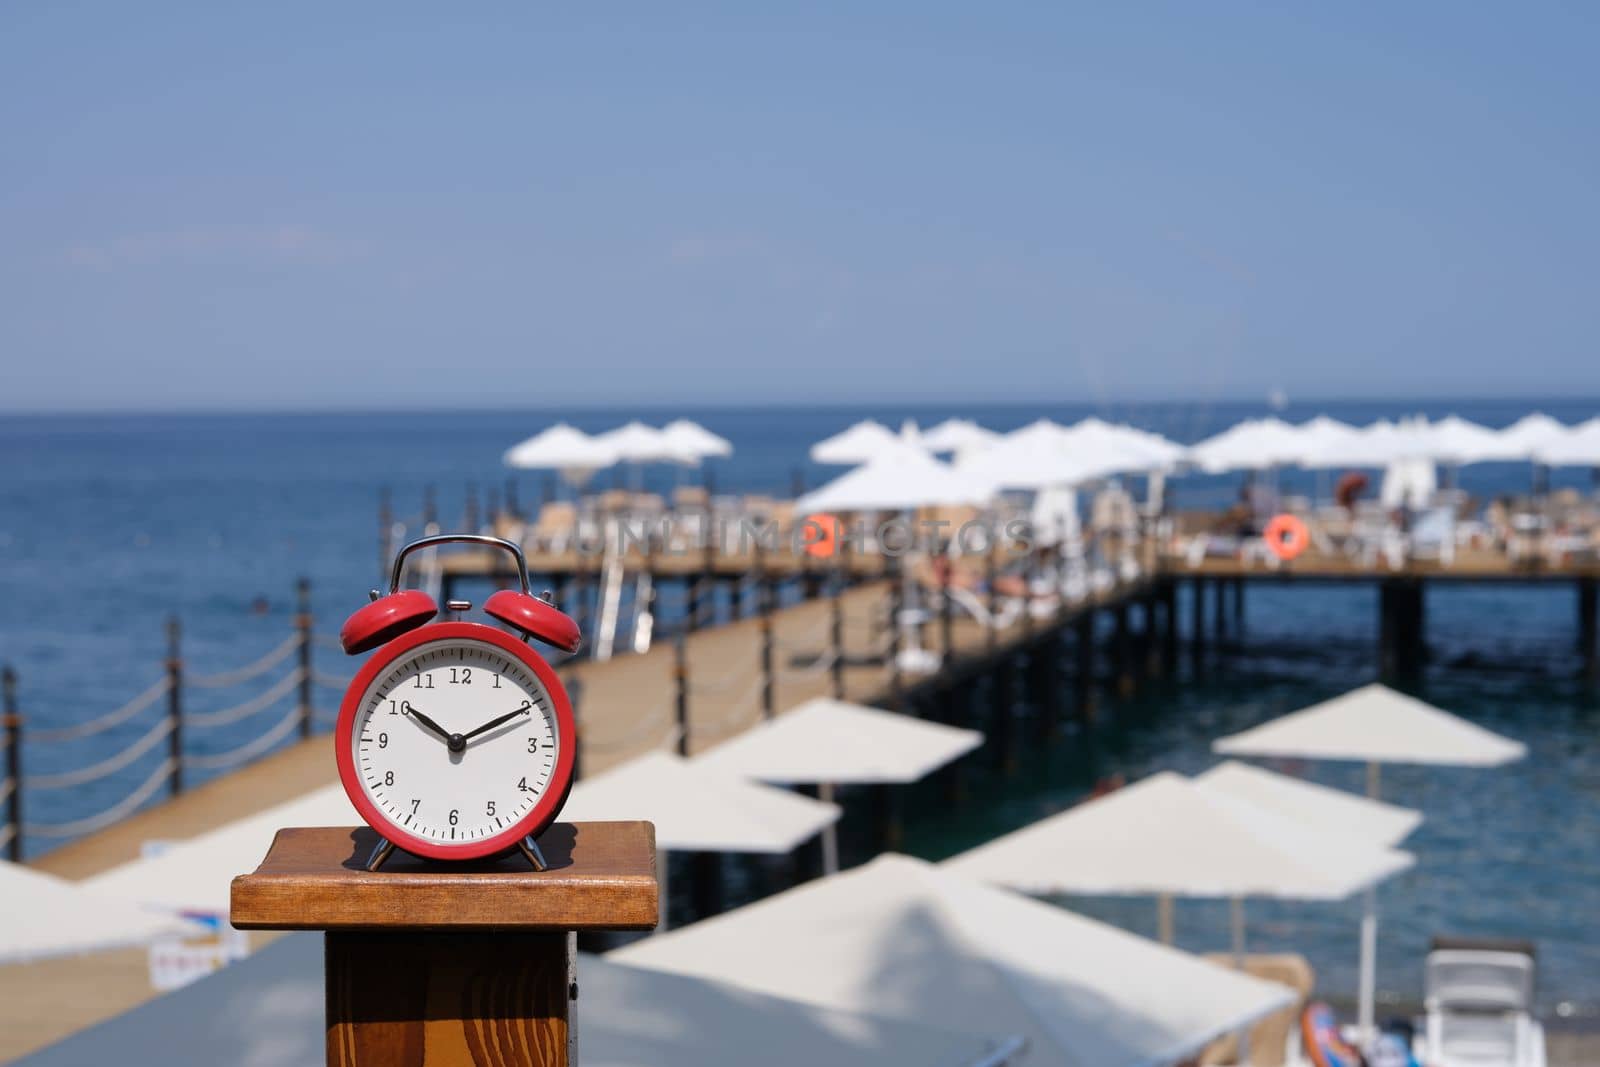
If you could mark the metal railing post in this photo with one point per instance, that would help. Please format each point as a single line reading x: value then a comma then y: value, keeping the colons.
x: 680, y: 678
x: 175, y: 703
x: 13, y: 732
x: 769, y: 696
x: 836, y: 626
x: 302, y: 622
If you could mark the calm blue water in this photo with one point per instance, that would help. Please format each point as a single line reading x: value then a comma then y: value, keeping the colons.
x: 110, y: 524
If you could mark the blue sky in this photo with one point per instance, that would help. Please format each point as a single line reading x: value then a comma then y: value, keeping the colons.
x: 361, y: 205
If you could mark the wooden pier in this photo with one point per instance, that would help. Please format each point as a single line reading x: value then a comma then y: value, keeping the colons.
x: 739, y: 656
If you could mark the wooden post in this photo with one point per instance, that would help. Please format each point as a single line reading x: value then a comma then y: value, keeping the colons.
x: 175, y: 704
x: 1149, y: 638
x: 302, y: 624
x: 430, y: 508
x: 12, y: 722
x: 1219, y: 590
x: 513, y: 508
x: 680, y: 679
x: 1043, y: 683
x: 1238, y: 607
x: 1588, y: 631
x: 1169, y: 627
x: 1197, y: 619
x: 1386, y: 628
x: 1121, y: 656
x: 465, y: 966
x: 1084, y: 680
x: 471, y: 517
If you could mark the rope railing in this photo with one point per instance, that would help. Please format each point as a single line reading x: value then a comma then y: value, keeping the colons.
x: 632, y: 740
x: 823, y: 662
x: 329, y: 681
x: 241, y: 711
x: 746, y: 700
x: 106, y: 721
x: 234, y: 757
x: 248, y: 671
x: 116, y: 813
x: 109, y: 766
x: 723, y: 683
x: 324, y: 641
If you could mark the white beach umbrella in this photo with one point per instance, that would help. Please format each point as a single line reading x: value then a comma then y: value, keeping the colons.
x: 833, y: 741
x: 1255, y: 444
x: 195, y: 874
x: 634, y: 442
x: 1309, y: 804
x: 1166, y: 835
x: 1577, y: 447
x: 901, y: 939
x: 1151, y: 450
x: 1525, y: 438
x: 898, y: 477
x: 958, y: 435
x: 1324, y: 442
x: 690, y: 438
x: 1374, y: 725
x: 637, y: 1015
x: 1458, y: 442
x: 267, y: 1011
x: 857, y: 444
x: 1044, y: 454
x: 44, y: 916
x: 698, y: 810
x: 826, y: 742
x: 564, y: 448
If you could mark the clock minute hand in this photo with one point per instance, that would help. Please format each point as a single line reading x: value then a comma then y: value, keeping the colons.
x: 501, y: 721
x: 406, y: 708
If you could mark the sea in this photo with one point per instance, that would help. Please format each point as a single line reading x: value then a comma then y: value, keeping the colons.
x: 111, y: 524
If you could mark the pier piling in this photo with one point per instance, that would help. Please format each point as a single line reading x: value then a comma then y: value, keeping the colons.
x: 1587, y: 629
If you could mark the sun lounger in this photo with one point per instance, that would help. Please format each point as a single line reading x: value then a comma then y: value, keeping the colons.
x: 1479, y: 1004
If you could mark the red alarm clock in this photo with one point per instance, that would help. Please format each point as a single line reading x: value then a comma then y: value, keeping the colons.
x: 455, y: 740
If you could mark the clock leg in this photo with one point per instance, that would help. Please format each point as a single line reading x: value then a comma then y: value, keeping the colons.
x: 380, y: 853
x: 530, y: 849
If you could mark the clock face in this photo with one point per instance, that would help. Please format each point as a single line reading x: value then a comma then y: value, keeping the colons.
x: 455, y: 741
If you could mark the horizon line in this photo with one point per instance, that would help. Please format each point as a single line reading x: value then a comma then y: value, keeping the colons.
x: 853, y: 405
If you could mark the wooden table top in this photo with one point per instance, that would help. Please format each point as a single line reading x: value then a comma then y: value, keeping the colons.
x: 601, y: 876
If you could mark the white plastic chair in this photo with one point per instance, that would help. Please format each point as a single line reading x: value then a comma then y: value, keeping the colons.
x: 1479, y: 1003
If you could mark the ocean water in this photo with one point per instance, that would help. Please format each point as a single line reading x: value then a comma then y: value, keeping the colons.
x: 109, y: 524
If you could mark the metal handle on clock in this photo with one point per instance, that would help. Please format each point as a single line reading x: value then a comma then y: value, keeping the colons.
x: 459, y: 539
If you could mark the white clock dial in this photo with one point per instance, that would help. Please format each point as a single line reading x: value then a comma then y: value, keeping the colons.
x: 455, y: 741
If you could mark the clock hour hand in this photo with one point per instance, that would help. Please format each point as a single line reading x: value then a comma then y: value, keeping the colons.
x: 501, y: 721
x: 407, y: 709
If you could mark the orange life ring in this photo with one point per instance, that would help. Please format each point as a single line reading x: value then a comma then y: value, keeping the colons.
x: 1287, y: 536
x: 820, y: 535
